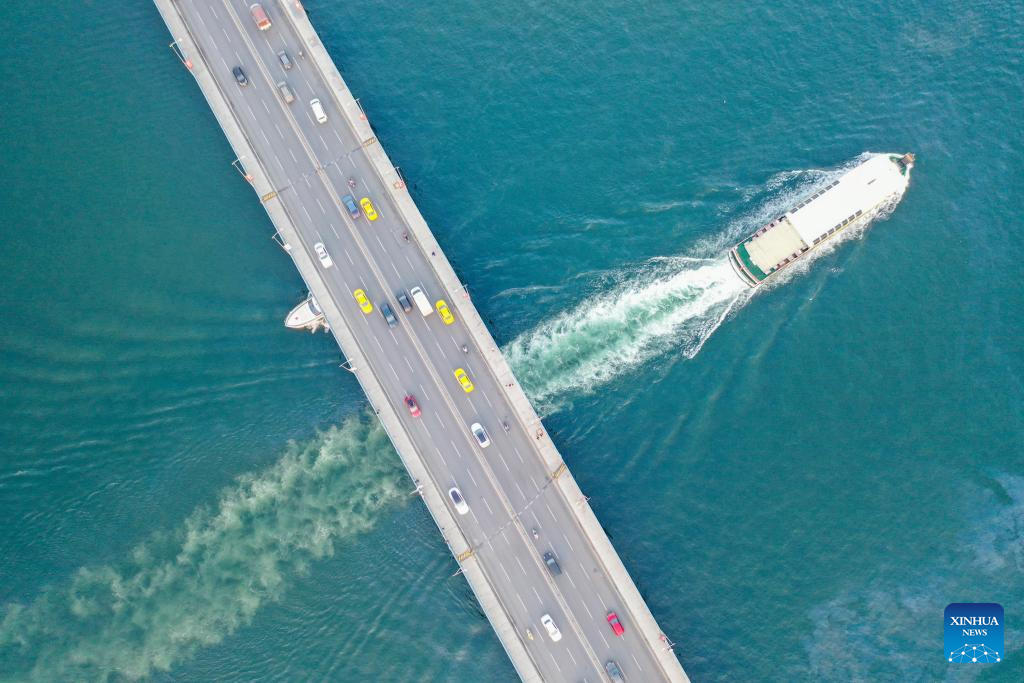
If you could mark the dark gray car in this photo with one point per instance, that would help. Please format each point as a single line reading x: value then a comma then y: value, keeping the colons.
x: 552, y: 563
x: 385, y: 310
x: 614, y: 671
x: 404, y: 301
x: 240, y: 76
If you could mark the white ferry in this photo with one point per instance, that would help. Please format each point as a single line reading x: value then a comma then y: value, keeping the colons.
x: 853, y: 199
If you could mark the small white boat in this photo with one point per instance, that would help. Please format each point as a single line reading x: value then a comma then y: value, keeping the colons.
x: 306, y: 316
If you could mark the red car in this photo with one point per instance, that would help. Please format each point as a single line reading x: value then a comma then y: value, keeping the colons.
x: 412, y: 405
x: 613, y: 621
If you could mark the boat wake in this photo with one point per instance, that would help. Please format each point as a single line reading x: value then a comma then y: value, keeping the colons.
x: 674, y: 302
x: 194, y: 587
x: 669, y: 305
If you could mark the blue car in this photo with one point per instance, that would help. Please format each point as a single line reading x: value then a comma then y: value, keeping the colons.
x: 350, y: 204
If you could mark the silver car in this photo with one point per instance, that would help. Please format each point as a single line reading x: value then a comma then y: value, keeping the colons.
x: 457, y: 500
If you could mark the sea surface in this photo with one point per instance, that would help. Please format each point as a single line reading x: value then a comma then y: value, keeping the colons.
x: 799, y: 481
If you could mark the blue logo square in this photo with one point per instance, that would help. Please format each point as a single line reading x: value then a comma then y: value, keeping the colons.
x: 974, y: 633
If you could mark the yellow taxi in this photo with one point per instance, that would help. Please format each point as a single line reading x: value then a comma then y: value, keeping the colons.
x: 363, y: 302
x: 463, y: 378
x: 444, y: 312
x: 371, y: 213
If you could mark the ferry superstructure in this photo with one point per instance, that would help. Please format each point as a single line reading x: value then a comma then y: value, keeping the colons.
x: 853, y: 199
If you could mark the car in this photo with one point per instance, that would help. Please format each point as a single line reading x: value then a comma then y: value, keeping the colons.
x: 371, y: 213
x: 321, y: 252
x: 464, y: 380
x: 240, y: 76
x: 318, y: 110
x: 549, y: 626
x: 259, y: 16
x: 285, y: 60
x: 614, y: 672
x: 444, y: 312
x: 412, y: 405
x: 552, y: 563
x: 480, y: 434
x: 403, y: 301
x: 385, y: 310
x: 350, y: 203
x: 457, y: 500
x: 613, y: 621
x: 363, y: 302
x: 286, y: 93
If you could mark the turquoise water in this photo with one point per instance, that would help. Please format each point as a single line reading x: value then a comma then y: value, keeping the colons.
x: 799, y: 481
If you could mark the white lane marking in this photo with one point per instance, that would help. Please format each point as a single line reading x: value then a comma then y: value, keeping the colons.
x: 555, y: 660
x: 588, y: 610
x: 322, y: 141
x: 525, y: 608
x: 265, y: 138
x: 280, y: 165
x: 488, y: 506
x: 571, y: 549
x: 425, y: 396
x: 264, y: 103
x: 606, y: 643
x: 349, y: 257
x: 534, y: 482
x: 505, y: 572
x: 397, y: 379
x: 569, y: 576
x: 378, y: 342
x: 334, y: 230
x: 438, y: 345
x: 338, y: 136
x: 321, y: 205
x: 409, y: 262
x: 397, y: 274
x: 379, y: 242
x: 504, y: 463
x: 552, y: 512
x: 538, y: 596
x: 213, y: 12
x: 408, y: 363
x: 519, y: 454
x: 637, y: 661
x: 520, y: 489
x: 520, y: 563
x: 574, y: 662
x: 293, y: 155
x: 486, y: 398
x: 202, y: 21
x: 472, y: 478
x: 279, y: 133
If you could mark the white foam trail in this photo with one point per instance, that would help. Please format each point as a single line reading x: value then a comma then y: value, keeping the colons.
x: 673, y: 302
x: 671, y: 305
x: 191, y: 589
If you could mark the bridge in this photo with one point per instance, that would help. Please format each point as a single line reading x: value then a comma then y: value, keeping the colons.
x: 301, y: 167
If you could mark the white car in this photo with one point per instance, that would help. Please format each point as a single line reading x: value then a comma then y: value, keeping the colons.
x: 480, y: 434
x: 459, y: 502
x: 322, y: 254
x: 550, y: 627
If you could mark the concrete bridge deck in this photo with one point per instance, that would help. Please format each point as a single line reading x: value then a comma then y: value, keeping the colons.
x: 299, y: 169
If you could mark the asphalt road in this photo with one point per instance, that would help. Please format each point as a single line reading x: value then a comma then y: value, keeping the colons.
x: 505, y: 485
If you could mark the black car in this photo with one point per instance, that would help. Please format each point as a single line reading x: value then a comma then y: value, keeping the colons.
x: 404, y: 301
x: 614, y: 672
x: 552, y: 563
x: 240, y: 76
x: 385, y: 310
